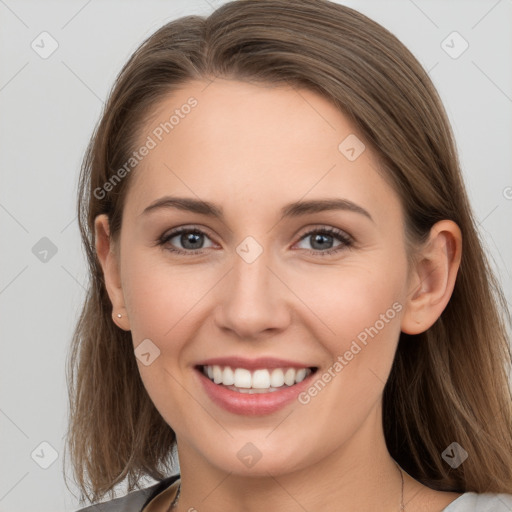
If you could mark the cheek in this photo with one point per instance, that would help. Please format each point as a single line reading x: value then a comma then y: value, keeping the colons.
x: 357, y: 311
x: 160, y: 298
x: 352, y: 297
x: 161, y: 302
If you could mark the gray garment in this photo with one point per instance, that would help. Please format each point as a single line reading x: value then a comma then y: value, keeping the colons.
x: 468, y: 502
x: 133, y: 501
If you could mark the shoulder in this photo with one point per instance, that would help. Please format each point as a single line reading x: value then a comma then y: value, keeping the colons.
x: 486, y: 502
x: 134, y: 501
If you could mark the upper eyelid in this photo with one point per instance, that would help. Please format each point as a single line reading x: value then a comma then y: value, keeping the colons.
x: 183, y: 229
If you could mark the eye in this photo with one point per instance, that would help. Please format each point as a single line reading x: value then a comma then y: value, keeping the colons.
x: 190, y: 238
x: 322, y: 240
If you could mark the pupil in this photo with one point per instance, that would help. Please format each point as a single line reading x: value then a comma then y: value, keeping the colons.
x: 323, y: 239
x: 190, y: 238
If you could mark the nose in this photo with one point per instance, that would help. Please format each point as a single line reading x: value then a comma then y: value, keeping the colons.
x: 253, y: 299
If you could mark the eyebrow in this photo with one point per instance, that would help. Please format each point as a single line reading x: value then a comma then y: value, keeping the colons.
x: 295, y: 209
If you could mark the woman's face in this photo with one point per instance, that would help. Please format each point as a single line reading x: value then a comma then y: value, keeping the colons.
x: 255, y: 281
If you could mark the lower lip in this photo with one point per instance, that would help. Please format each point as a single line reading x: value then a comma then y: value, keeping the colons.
x: 252, y: 404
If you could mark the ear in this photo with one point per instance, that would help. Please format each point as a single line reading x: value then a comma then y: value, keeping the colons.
x: 433, y: 278
x: 108, y: 257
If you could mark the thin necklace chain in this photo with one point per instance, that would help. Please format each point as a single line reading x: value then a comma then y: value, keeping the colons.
x: 402, y: 506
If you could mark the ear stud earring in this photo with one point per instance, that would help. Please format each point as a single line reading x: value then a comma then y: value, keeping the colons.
x: 119, y: 315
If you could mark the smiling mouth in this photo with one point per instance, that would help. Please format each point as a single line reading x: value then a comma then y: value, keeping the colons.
x: 261, y: 380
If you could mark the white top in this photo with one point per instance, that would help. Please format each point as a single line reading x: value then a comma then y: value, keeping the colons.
x: 487, y: 502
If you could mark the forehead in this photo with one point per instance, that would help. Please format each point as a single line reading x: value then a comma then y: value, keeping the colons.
x: 244, y: 144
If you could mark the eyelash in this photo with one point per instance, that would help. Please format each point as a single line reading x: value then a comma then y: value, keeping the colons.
x: 346, y: 241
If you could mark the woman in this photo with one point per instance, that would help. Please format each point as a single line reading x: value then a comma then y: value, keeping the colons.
x: 287, y: 284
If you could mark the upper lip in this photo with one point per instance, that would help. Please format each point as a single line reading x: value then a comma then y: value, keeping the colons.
x: 253, y: 364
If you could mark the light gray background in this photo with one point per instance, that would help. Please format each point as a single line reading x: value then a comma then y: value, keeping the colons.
x: 48, y: 110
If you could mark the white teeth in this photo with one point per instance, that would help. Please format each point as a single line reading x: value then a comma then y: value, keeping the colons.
x: 260, y: 379
x: 244, y: 380
x: 277, y: 378
x: 228, y: 377
x: 217, y: 375
x: 301, y: 375
x: 289, y: 377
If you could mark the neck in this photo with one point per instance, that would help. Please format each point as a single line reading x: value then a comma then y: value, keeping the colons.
x: 359, y: 475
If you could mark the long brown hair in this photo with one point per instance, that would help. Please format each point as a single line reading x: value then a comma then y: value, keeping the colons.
x: 448, y: 384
